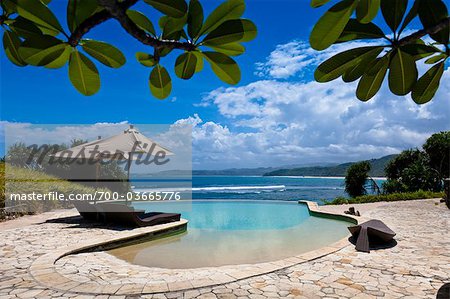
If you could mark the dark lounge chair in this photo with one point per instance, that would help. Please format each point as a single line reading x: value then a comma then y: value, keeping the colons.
x: 122, y: 214
x: 372, y: 230
x: 86, y: 209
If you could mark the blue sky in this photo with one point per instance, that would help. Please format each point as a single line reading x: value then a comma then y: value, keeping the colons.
x: 275, y: 116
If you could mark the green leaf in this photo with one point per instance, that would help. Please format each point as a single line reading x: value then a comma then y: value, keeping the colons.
x: 141, y: 21
x: 199, y: 65
x: 78, y: 11
x: 41, y: 50
x: 318, y: 3
x: 228, y: 10
x: 61, y: 60
x: 83, y: 74
x: 172, y: 8
x: 11, y: 44
x: 195, y: 18
x: 224, y: 67
x: 355, y: 30
x: 393, y: 12
x: 437, y: 58
x: 172, y: 27
x: 8, y: 6
x: 39, y: 13
x: 233, y: 49
x: 105, y: 53
x: 428, y: 84
x: 185, y: 65
x: 146, y: 59
x: 372, y: 80
x: 331, y: 25
x: 337, y: 65
x: 25, y: 28
x: 231, y: 31
x: 432, y: 12
x: 402, y: 73
x: 410, y: 16
x: 367, y: 10
x: 356, y: 71
x: 160, y: 82
x: 419, y: 51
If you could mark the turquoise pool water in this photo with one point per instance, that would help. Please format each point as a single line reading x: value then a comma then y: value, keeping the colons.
x: 234, y: 232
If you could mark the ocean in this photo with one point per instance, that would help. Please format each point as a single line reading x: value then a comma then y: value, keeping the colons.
x: 261, y: 188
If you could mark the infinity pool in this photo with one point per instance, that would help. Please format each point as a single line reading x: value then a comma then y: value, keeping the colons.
x: 234, y: 232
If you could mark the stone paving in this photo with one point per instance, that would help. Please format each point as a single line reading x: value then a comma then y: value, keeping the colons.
x: 415, y: 268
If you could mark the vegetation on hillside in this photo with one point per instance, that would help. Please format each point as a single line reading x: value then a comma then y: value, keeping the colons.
x: 12, y: 180
x: 377, y: 169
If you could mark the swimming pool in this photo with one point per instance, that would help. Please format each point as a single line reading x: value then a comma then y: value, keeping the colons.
x: 234, y: 232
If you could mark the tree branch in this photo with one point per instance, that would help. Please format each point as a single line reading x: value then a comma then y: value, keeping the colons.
x: 445, y: 23
x: 117, y: 10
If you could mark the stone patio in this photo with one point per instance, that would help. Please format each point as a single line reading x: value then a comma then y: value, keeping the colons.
x: 415, y: 268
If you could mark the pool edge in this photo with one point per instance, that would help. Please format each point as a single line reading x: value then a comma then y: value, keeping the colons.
x: 44, y: 272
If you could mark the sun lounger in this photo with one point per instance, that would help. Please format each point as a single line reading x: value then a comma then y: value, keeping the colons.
x: 373, y: 230
x: 122, y: 214
x: 86, y: 209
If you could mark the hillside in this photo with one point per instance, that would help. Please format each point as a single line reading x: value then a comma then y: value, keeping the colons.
x: 27, y: 181
x: 378, y: 166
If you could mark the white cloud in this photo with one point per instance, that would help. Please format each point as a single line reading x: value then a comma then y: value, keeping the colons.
x: 298, y: 58
x: 274, y: 122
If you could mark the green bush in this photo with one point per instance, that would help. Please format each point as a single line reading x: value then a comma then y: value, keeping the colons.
x: 386, y: 197
x: 26, y: 181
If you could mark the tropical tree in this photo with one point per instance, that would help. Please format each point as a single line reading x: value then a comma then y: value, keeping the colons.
x: 34, y: 35
x: 438, y: 149
x: 410, y: 171
x: 356, y: 178
x: 397, y: 53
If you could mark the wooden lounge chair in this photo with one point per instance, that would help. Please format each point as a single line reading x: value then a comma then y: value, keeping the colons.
x: 372, y: 230
x: 122, y: 214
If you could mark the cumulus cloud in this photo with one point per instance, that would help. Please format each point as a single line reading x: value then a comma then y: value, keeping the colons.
x: 276, y: 122
x: 296, y: 58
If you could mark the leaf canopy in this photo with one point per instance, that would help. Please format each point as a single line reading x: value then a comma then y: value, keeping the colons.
x: 160, y: 82
x: 427, y: 86
x: 367, y: 10
x: 83, y: 74
x: 331, y: 25
x: 146, y: 59
x: 11, y: 44
x: 195, y: 18
x: 38, y: 13
x: 393, y: 12
x: 41, y: 50
x: 372, y: 80
x: 336, y: 66
x: 141, y: 21
x: 172, y: 8
x: 402, y: 73
x: 185, y: 65
x: 228, y: 10
x: 78, y: 11
x: 104, y: 52
x: 231, y: 31
x: 224, y: 67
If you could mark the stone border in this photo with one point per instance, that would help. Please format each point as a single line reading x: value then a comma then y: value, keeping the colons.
x: 44, y: 272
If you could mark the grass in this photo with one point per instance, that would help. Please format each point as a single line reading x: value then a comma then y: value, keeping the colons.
x: 26, y: 181
x: 386, y: 197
